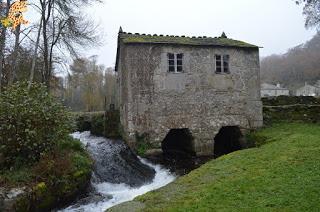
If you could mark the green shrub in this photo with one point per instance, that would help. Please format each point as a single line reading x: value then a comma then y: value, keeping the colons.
x: 72, y: 144
x: 31, y: 122
x: 83, y: 122
x: 97, y: 124
x: 142, y: 143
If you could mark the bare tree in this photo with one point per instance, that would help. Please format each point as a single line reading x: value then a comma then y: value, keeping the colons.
x: 64, y: 28
x: 312, y: 12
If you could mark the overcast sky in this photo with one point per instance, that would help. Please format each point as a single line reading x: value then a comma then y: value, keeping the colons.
x: 275, y: 25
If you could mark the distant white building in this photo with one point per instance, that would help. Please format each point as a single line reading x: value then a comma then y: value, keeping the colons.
x: 273, y: 90
x: 308, y: 90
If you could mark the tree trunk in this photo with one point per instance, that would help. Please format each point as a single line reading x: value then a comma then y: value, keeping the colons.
x: 3, y: 44
x: 13, y: 73
x: 34, y: 57
x: 45, y: 45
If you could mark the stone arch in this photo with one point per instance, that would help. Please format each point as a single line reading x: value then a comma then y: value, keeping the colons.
x: 178, y: 143
x: 229, y: 139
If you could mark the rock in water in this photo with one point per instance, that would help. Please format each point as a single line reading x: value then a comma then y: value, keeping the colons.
x: 116, y: 163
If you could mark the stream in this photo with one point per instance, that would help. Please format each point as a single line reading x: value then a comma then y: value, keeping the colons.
x: 118, y: 175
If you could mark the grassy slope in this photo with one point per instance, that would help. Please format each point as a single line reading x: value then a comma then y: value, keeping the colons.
x: 281, y: 175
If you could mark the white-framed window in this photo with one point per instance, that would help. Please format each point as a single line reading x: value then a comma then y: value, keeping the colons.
x: 222, y: 64
x: 175, y: 63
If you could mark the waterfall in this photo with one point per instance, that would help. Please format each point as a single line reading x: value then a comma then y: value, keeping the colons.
x: 118, y: 175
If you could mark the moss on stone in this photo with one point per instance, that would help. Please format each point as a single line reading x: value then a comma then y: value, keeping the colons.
x: 205, y: 41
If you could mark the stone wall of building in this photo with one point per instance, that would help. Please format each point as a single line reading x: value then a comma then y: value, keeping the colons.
x: 153, y: 101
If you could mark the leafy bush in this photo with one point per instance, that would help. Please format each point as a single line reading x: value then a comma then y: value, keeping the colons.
x: 31, y: 122
x: 97, y: 124
x: 83, y: 122
x: 142, y: 144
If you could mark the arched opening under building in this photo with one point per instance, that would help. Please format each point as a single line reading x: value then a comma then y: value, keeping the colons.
x: 178, y: 143
x: 229, y: 139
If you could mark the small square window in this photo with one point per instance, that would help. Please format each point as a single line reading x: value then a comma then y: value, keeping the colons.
x: 175, y: 62
x: 222, y: 63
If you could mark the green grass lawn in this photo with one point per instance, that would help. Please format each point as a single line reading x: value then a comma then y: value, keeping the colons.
x: 282, y: 175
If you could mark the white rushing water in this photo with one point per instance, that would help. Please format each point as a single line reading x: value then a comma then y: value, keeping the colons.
x: 120, y: 192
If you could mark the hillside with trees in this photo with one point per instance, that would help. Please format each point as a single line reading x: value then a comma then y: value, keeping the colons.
x: 292, y: 69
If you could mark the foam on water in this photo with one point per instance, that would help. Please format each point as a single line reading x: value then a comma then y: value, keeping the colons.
x: 120, y: 192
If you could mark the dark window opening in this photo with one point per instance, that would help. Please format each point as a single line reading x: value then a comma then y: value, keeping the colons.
x: 171, y: 62
x: 179, y: 62
x: 218, y: 64
x: 222, y: 63
x: 226, y: 63
x: 178, y: 144
x: 229, y: 139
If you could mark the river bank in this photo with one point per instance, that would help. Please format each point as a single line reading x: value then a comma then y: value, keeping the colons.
x: 282, y: 174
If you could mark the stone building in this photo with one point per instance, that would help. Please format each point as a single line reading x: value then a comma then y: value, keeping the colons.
x: 187, y: 87
x: 273, y: 90
x: 308, y: 90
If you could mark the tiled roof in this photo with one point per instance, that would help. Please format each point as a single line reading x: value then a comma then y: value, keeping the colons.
x: 223, y: 41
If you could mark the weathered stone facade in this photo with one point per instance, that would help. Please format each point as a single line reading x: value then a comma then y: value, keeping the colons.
x: 153, y: 100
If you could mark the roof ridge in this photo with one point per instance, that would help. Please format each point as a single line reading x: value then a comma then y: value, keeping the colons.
x: 222, y: 41
x: 176, y: 36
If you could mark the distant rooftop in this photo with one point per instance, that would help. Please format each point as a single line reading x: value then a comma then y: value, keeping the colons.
x: 267, y: 86
x: 222, y: 41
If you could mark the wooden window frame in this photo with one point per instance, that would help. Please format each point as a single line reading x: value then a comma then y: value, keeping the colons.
x: 177, y: 62
x: 224, y: 60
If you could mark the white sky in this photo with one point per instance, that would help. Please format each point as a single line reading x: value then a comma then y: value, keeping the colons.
x: 276, y: 25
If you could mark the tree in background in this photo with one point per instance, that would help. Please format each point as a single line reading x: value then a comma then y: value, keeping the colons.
x: 89, y: 86
x: 312, y: 12
x: 64, y: 28
x: 62, y: 31
x: 292, y: 69
x: 110, y: 87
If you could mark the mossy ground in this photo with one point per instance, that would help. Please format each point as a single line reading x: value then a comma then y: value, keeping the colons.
x: 281, y: 175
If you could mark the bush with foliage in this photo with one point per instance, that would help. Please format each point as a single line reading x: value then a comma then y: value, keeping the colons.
x: 97, y: 124
x: 31, y: 123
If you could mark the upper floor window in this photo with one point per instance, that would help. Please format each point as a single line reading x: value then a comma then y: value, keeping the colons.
x: 175, y: 62
x: 222, y: 63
